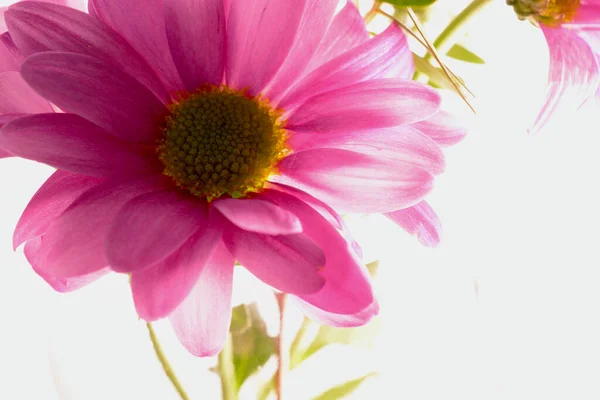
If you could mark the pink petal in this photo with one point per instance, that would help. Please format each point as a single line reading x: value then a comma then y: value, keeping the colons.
x: 98, y: 92
x: 443, y: 128
x: 69, y: 142
x: 259, y: 216
x: 6, y: 118
x: 4, y: 154
x: 77, y: 4
x: 10, y: 57
x: 421, y: 221
x: 573, y: 76
x: 377, y: 103
x: 316, y: 18
x: 17, y: 97
x: 587, y: 15
x: 325, y: 210
x: 37, y: 27
x: 62, y: 285
x: 49, y: 202
x: 159, y: 289
x: 403, y: 143
x: 201, y: 322
x: 341, y: 320
x: 143, y: 25
x: 347, y: 287
x: 260, y: 34
x: 290, y: 263
x: 196, y: 34
x: 347, y: 31
x: 354, y: 182
x: 376, y: 58
x: 151, y: 227
x: 74, y: 244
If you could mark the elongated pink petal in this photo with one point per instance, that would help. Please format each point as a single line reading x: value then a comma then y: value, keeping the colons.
x: 62, y: 285
x: 256, y: 45
x: 402, y: 143
x: 340, y: 320
x: 196, y: 35
x: 290, y: 263
x: 74, y: 244
x: 56, y: 194
x: 159, y: 289
x: 324, y: 209
x: 151, y: 227
x: 98, y: 92
x: 10, y: 57
x: 77, y: 4
x: 443, y: 128
x: 421, y: 221
x: 347, y: 31
x: 347, y: 288
x: 4, y: 154
x: 354, y: 182
x: 6, y: 118
x: 259, y: 216
x: 376, y: 58
x: 69, y: 142
x: 378, y: 103
x: 37, y: 27
x: 573, y: 76
x: 143, y: 25
x: 201, y: 322
x: 17, y: 97
x: 587, y: 15
x: 316, y: 18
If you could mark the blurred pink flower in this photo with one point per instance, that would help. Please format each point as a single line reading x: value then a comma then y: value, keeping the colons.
x: 160, y: 177
x: 572, y: 31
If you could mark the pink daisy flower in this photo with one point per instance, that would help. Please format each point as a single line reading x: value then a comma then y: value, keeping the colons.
x: 572, y: 31
x: 195, y: 133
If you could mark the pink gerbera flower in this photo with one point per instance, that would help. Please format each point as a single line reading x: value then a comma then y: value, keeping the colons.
x: 572, y: 30
x: 194, y: 133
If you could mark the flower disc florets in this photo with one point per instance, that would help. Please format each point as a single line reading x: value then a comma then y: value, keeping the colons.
x: 218, y: 141
x: 548, y: 12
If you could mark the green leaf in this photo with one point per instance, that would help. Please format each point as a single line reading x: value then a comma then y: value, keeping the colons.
x: 344, y: 389
x: 461, y: 53
x: 437, y: 78
x: 410, y: 3
x: 252, y: 347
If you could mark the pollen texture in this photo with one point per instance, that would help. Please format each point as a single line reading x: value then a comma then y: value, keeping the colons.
x: 222, y: 142
x: 552, y: 13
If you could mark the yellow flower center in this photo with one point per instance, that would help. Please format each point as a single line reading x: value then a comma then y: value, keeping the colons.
x: 218, y: 141
x: 549, y: 12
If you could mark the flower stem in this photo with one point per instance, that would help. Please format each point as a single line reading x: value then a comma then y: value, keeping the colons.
x: 227, y: 371
x: 444, y: 41
x: 372, y: 12
x: 165, y: 363
x: 282, y: 355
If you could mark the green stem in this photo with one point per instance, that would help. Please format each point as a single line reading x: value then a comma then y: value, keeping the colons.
x: 227, y: 371
x: 444, y: 42
x: 165, y: 363
x: 282, y: 354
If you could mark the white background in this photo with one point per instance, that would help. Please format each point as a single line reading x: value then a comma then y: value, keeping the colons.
x: 506, y: 308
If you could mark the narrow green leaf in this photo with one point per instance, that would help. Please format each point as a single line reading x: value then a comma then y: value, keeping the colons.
x: 410, y: 3
x: 461, y: 53
x: 344, y: 389
x: 437, y: 78
x: 252, y: 347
